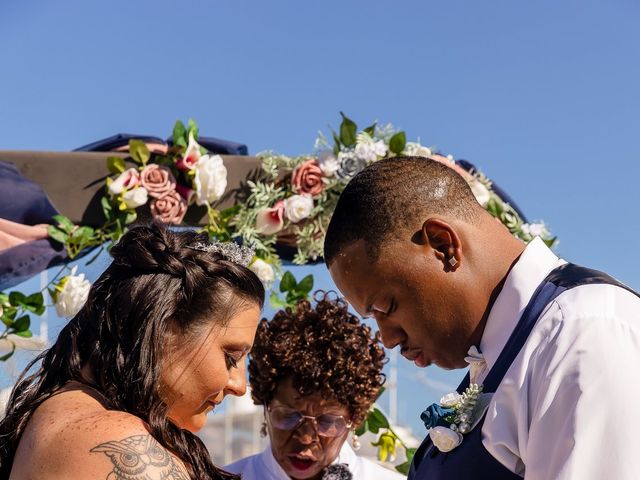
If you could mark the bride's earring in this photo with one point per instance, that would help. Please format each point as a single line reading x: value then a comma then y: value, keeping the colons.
x: 263, y: 429
x: 355, y: 443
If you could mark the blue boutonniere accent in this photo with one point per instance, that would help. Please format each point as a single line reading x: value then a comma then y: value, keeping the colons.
x: 435, y: 415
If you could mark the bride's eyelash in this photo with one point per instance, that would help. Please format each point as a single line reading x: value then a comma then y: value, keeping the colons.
x: 231, y: 361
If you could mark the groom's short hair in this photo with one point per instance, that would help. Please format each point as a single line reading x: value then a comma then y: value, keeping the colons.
x: 392, y: 196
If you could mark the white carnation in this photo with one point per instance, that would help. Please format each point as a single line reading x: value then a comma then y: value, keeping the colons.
x: 298, y: 207
x: 328, y: 163
x: 210, y: 180
x: 136, y: 197
x: 263, y: 270
x: 534, y: 229
x: 74, y: 294
x: 369, y: 149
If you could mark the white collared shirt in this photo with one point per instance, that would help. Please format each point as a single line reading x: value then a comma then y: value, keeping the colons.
x: 264, y: 466
x: 569, y: 406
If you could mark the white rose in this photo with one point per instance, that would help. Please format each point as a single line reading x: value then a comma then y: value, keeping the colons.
x: 210, y: 180
x: 74, y: 294
x: 328, y: 163
x: 480, y: 191
x: 444, y: 438
x: 413, y: 149
x: 298, y: 207
x: 263, y: 270
x: 136, y: 197
x: 450, y: 400
x: 128, y: 179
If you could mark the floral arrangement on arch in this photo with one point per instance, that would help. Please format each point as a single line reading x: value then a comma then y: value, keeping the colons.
x: 292, y: 201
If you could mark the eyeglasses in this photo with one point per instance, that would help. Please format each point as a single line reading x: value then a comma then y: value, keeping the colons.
x: 326, y: 424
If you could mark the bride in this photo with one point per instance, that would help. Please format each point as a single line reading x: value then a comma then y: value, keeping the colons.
x: 159, y: 344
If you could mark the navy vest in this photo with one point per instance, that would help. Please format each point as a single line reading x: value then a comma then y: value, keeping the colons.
x: 470, y: 460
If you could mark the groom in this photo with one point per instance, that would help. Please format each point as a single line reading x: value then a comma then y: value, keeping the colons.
x: 409, y: 245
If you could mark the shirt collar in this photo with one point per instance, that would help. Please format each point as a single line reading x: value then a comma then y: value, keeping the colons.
x: 535, y: 263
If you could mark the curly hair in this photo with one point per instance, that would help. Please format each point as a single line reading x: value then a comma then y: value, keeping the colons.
x: 324, y: 350
x: 156, y: 281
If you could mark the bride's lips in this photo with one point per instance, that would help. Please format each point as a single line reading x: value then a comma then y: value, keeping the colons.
x: 301, y: 463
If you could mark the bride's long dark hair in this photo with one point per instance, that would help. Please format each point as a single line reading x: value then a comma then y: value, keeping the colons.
x: 154, y: 282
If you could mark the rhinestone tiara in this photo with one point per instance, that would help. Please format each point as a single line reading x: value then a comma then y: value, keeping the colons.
x: 240, y: 254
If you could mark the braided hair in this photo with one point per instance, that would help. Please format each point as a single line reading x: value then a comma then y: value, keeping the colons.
x: 155, y: 282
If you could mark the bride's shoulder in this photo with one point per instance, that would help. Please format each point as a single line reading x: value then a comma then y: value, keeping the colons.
x: 73, y: 435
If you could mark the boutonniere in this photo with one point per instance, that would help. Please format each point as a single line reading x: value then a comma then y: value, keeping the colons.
x: 455, y: 416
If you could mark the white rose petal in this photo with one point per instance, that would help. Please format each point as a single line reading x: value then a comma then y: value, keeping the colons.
x: 298, y: 207
x: 444, y: 438
x: 210, y: 180
x: 450, y: 400
x: 328, y: 163
x: 130, y: 177
x: 74, y: 294
x: 263, y: 270
x: 136, y: 197
x: 480, y: 191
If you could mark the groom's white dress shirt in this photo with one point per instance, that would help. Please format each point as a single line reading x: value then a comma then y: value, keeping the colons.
x: 569, y: 406
x: 264, y: 466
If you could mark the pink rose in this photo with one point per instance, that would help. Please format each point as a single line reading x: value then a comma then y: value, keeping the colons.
x: 271, y: 220
x: 307, y: 178
x: 169, y: 209
x: 158, y: 180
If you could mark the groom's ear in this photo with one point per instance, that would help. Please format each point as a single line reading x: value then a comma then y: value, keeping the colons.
x: 444, y: 241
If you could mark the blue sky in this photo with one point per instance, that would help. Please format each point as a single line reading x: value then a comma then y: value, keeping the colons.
x: 542, y: 96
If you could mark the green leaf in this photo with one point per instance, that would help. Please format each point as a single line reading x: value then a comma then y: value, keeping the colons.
x: 107, y: 208
x: 398, y: 142
x: 348, y: 131
x: 115, y: 165
x: 130, y: 217
x: 35, y: 303
x: 362, y: 429
x: 17, y: 299
x: 7, y: 321
x: 288, y: 282
x: 25, y: 334
x: 83, y: 234
x: 139, y: 151
x: 22, y: 323
x: 7, y: 356
x: 370, y: 130
x: 192, y: 129
x: 403, y: 468
x: 10, y: 313
x: 276, y: 301
x: 305, y: 285
x: 377, y: 420
x: 179, y: 134
x: 380, y: 392
x: 57, y: 234
x: 64, y: 223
